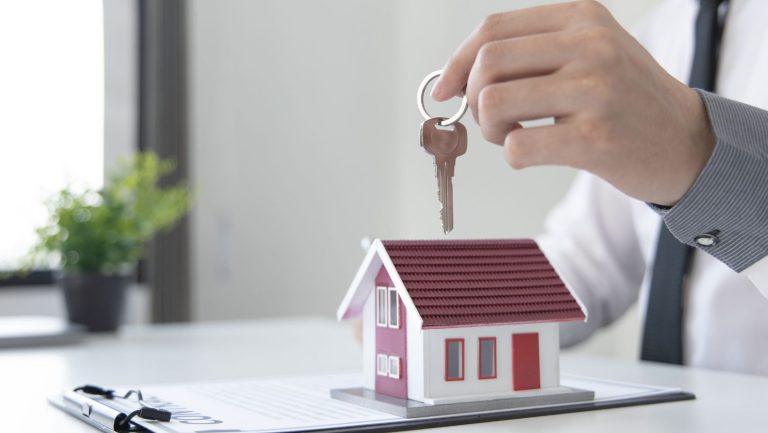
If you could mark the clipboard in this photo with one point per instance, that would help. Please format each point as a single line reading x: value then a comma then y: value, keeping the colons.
x: 95, y: 410
x: 234, y: 406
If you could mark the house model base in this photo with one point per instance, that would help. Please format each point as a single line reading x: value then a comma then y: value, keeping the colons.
x: 416, y: 409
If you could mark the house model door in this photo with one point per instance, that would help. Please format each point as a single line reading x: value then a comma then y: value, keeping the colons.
x: 526, y: 373
x: 391, y: 359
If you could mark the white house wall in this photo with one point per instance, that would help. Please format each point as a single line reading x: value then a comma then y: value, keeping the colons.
x: 415, y: 345
x: 369, y: 341
x: 436, y: 387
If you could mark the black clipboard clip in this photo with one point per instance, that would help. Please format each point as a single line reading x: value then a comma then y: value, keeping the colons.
x: 122, y: 421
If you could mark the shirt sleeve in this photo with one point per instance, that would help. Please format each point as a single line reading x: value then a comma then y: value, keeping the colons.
x: 725, y: 212
x: 589, y: 240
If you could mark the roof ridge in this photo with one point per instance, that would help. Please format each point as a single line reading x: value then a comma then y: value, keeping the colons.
x: 459, y: 243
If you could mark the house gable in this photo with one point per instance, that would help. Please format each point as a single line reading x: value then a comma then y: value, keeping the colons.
x: 364, y: 282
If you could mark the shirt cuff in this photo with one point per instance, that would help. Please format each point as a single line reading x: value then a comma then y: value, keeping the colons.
x: 725, y: 212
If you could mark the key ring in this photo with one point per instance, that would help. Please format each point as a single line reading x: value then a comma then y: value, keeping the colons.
x: 420, y: 101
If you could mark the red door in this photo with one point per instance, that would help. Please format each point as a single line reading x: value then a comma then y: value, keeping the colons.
x: 525, y: 361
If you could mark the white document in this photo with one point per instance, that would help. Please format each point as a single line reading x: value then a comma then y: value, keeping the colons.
x: 295, y: 404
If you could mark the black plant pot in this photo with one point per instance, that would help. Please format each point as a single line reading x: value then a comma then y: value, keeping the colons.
x: 94, y: 300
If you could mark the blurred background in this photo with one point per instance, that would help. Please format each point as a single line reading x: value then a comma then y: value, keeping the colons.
x: 294, y: 122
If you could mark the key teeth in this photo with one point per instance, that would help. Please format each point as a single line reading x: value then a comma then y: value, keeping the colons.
x: 447, y: 228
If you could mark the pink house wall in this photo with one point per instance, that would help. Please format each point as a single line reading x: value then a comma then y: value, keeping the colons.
x: 392, y: 342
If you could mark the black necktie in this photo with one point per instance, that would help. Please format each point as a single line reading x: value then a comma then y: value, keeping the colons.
x: 662, y: 334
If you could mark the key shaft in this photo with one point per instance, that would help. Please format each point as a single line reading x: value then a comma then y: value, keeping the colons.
x: 445, y: 145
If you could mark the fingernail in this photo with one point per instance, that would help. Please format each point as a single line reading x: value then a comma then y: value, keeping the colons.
x: 437, y: 90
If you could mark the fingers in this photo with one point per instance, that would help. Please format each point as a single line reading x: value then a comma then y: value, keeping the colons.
x: 507, y: 25
x: 546, y: 145
x: 503, y: 104
x: 512, y: 59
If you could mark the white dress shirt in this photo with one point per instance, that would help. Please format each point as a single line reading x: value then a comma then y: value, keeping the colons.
x: 603, y: 242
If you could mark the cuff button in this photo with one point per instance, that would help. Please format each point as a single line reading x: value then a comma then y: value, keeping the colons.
x: 708, y: 239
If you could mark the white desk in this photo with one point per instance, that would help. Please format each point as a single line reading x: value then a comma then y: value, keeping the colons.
x: 233, y: 350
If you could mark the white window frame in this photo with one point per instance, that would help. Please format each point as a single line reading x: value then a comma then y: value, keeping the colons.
x: 394, y: 373
x: 390, y: 316
x: 381, y: 321
x: 382, y: 361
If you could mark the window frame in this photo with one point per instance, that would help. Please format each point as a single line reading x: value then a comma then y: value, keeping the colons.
x: 41, y: 277
x: 461, y: 358
x: 382, y: 318
x: 396, y: 360
x: 379, y: 371
x: 396, y: 325
x: 480, y: 375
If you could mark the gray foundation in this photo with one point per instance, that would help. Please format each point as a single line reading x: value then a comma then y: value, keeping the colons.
x: 416, y: 409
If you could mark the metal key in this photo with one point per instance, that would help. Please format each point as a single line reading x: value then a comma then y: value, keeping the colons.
x: 445, y: 145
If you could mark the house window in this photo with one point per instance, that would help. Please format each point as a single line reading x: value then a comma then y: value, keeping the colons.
x: 381, y: 364
x: 394, y: 367
x: 381, y: 306
x: 487, y: 361
x: 394, y: 311
x: 454, y: 359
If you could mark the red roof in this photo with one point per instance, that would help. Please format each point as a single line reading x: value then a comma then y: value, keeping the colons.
x: 480, y: 282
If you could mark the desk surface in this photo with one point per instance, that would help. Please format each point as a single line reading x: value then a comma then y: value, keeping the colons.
x: 235, y: 350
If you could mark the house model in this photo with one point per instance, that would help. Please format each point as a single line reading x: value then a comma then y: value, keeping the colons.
x: 452, y: 322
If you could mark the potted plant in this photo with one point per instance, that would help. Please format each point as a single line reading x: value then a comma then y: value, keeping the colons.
x: 98, y: 236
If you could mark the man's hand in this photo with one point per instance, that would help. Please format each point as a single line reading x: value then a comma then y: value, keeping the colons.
x: 617, y: 113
